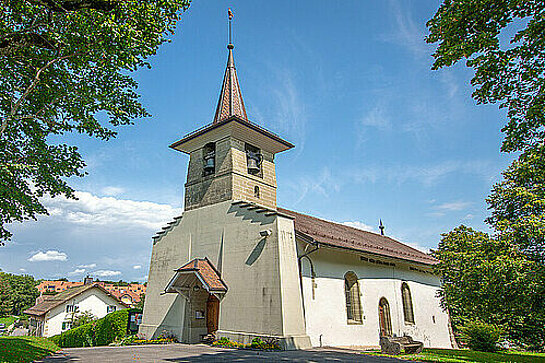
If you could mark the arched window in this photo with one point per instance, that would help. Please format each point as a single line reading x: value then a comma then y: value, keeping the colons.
x: 256, y: 191
x: 407, y: 303
x: 352, y: 293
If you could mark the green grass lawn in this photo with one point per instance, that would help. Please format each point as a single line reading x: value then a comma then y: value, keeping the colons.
x: 25, y: 349
x: 8, y: 320
x: 468, y: 356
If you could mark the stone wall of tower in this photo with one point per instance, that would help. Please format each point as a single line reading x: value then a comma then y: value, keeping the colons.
x: 231, y: 180
x: 244, y: 184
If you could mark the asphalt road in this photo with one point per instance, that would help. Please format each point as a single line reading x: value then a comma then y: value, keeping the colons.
x: 204, y: 353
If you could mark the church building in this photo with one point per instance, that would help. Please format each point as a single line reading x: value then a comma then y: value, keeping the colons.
x: 236, y: 265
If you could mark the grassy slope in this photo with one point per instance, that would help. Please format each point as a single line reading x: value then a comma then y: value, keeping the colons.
x: 8, y: 320
x: 469, y: 356
x: 25, y: 349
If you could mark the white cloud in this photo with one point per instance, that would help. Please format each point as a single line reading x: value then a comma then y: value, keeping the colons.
x: 77, y: 271
x: 359, y: 225
x: 291, y: 116
x: 468, y: 217
x: 376, y: 118
x: 427, y: 175
x: 107, y: 273
x: 22, y: 269
x: 90, y: 210
x: 112, y: 191
x: 323, y: 184
x: 453, y: 206
x: 91, y: 265
x: 50, y: 255
x: 408, y: 33
x: 137, y: 267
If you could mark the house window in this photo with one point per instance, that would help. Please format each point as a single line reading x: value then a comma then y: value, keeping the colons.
x: 70, y: 308
x: 353, y: 303
x: 66, y: 325
x: 256, y: 191
x: 110, y: 309
x: 407, y: 303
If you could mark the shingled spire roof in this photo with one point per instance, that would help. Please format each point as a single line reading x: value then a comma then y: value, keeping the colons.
x: 230, y: 102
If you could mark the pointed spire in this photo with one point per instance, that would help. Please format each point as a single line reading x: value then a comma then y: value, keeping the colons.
x: 230, y: 102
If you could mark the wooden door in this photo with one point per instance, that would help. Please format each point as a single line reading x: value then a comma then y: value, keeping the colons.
x: 384, y: 318
x: 212, y: 314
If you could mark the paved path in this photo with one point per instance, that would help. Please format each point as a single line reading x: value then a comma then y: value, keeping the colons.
x: 204, y: 353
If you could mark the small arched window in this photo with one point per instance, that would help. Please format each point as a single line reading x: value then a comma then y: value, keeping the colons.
x: 353, y: 303
x: 256, y: 191
x: 407, y: 303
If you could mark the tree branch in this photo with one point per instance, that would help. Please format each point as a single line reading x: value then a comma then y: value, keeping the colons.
x: 74, y: 5
x: 29, y: 89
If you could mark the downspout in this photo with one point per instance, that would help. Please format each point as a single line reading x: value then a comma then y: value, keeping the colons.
x: 299, y: 260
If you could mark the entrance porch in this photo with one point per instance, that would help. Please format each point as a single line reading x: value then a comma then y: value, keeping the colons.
x: 200, y: 284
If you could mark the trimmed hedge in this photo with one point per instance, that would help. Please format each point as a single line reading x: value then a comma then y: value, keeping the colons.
x: 104, y: 331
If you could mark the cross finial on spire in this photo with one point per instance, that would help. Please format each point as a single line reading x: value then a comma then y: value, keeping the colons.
x: 230, y: 102
x: 381, y: 227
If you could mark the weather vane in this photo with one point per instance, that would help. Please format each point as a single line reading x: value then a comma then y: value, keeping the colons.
x: 230, y: 13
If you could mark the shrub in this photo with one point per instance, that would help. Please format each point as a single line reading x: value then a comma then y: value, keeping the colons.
x: 112, y: 327
x: 257, y: 343
x: 481, y: 336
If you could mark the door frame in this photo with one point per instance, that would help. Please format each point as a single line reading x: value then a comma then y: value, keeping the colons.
x: 384, y: 317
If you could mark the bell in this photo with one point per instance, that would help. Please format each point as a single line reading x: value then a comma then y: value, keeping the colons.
x: 253, y: 167
x: 209, y: 164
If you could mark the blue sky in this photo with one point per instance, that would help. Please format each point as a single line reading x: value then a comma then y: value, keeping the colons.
x: 377, y: 133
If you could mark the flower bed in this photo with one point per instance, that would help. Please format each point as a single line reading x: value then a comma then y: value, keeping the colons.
x: 257, y: 343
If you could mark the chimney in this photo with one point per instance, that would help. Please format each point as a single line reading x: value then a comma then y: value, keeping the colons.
x: 88, y: 280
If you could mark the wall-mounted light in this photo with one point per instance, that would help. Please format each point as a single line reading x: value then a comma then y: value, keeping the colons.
x: 266, y: 233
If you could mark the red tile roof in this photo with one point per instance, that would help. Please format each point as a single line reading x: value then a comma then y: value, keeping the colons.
x: 51, y: 301
x: 338, y: 235
x: 207, y: 272
x: 230, y: 102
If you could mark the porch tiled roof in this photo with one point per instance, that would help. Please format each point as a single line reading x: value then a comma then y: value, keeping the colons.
x: 208, y: 273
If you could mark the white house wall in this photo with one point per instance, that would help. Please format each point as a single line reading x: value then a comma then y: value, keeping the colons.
x: 93, y: 300
x: 326, y: 320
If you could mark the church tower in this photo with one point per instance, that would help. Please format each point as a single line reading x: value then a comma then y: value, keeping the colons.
x: 231, y: 158
x: 227, y: 267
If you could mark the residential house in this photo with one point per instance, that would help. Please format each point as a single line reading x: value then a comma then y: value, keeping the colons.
x: 54, y: 314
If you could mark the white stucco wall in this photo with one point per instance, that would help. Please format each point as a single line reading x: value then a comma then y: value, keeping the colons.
x: 325, y: 314
x: 93, y: 300
x: 261, y: 273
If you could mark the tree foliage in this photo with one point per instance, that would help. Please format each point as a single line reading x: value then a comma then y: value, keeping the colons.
x: 17, y: 293
x: 65, y: 66
x: 490, y: 280
x: 518, y: 204
x: 511, y: 74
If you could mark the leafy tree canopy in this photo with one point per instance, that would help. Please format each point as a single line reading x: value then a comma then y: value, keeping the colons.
x: 490, y: 280
x: 65, y: 66
x: 518, y: 204
x: 17, y: 293
x: 511, y: 74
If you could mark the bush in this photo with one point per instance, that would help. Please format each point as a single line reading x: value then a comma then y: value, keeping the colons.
x: 82, y: 336
x: 104, y: 331
x: 257, y: 343
x: 481, y: 336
